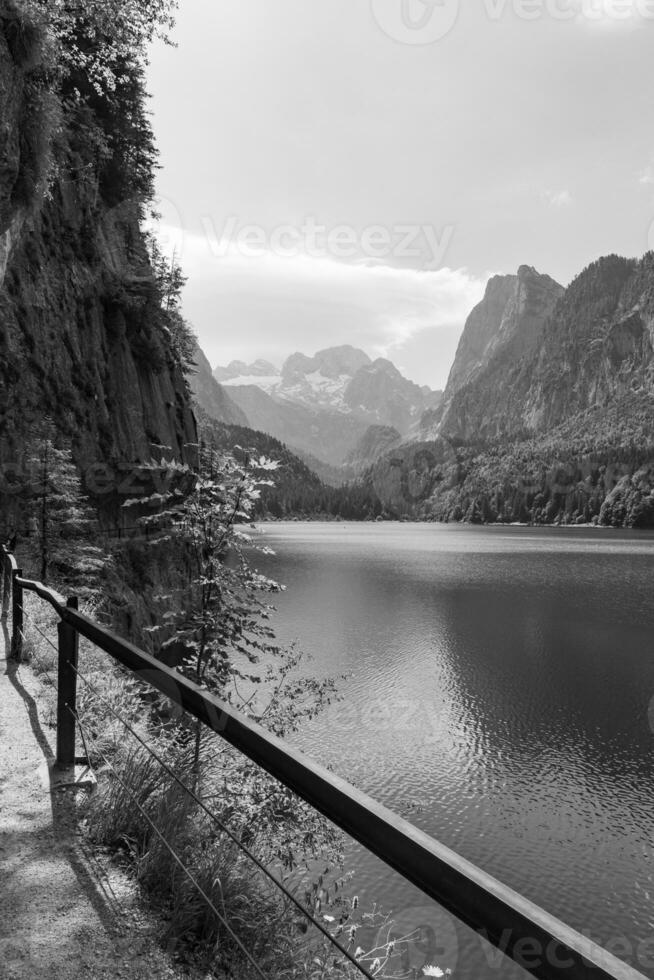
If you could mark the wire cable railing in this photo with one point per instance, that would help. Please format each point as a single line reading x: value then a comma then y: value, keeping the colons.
x: 502, y: 916
x: 227, y: 831
x: 187, y: 789
x: 173, y: 853
x: 42, y: 666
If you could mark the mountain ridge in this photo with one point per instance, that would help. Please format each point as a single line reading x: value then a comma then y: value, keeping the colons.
x: 547, y: 419
x: 324, y: 404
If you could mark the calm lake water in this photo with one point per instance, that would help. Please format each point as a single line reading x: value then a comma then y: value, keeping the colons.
x: 501, y: 698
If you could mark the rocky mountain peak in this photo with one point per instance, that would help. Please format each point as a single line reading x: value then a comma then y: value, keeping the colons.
x: 334, y: 362
x: 384, y: 366
x: 240, y: 369
x: 297, y: 366
x: 514, y: 310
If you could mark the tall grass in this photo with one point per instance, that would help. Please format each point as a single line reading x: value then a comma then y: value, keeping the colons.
x: 134, y: 792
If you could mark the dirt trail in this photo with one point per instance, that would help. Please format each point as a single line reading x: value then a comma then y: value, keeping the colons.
x: 63, y: 913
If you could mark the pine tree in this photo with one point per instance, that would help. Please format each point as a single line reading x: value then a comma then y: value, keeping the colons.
x: 63, y: 525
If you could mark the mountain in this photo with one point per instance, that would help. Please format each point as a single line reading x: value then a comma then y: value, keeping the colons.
x: 237, y: 369
x: 375, y: 441
x: 210, y: 395
x: 547, y: 414
x: 504, y: 332
x: 550, y: 353
x: 323, y: 405
x: 325, y: 433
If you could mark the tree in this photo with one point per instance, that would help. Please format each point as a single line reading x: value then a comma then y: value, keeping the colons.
x: 170, y: 282
x: 94, y: 39
x: 220, y: 615
x: 60, y: 518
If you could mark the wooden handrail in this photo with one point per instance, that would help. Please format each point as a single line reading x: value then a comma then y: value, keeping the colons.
x: 539, y: 942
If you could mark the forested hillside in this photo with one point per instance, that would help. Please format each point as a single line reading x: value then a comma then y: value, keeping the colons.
x: 548, y: 415
x: 296, y: 490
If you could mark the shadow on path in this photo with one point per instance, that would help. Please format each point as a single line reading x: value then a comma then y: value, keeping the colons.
x: 65, y: 806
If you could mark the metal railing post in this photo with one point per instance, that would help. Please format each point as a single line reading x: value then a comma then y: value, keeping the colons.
x: 16, y: 616
x: 5, y: 568
x: 67, y: 691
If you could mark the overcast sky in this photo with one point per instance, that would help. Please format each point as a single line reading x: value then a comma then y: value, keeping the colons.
x: 353, y: 170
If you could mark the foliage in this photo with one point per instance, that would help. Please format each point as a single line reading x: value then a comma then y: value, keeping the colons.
x: 95, y: 40
x: 62, y: 522
x: 170, y: 281
x: 296, y: 490
x: 595, y: 468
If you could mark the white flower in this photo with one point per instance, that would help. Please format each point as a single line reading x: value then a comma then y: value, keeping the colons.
x: 432, y: 971
x: 328, y: 918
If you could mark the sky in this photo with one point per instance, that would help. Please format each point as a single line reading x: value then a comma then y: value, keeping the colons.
x: 353, y: 171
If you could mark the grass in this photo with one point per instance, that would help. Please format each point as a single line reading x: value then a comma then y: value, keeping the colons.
x: 134, y: 792
x: 117, y: 816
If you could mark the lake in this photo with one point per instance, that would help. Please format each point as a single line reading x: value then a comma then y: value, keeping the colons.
x: 499, y: 697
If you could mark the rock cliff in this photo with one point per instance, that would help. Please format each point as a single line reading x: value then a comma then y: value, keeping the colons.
x: 548, y: 409
x: 502, y: 333
x: 83, y: 338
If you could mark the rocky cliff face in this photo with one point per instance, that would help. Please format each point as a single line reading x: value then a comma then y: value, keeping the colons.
x: 551, y: 354
x: 82, y: 337
x: 502, y: 333
x: 597, y: 347
x: 548, y: 410
x: 211, y: 396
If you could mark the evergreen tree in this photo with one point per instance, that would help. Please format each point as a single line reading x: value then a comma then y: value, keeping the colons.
x: 62, y: 523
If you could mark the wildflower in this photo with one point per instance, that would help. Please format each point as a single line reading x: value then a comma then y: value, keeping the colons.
x: 432, y: 971
x: 329, y: 918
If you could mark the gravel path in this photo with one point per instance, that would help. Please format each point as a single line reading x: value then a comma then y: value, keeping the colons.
x: 64, y: 912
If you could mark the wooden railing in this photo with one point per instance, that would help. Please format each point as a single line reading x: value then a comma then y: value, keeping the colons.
x: 540, y: 943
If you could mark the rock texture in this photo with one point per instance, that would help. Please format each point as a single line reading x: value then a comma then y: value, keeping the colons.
x: 82, y: 338
x: 549, y: 407
x: 211, y: 396
x: 502, y: 334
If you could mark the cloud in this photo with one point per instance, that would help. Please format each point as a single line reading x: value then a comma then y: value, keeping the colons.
x: 266, y: 305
